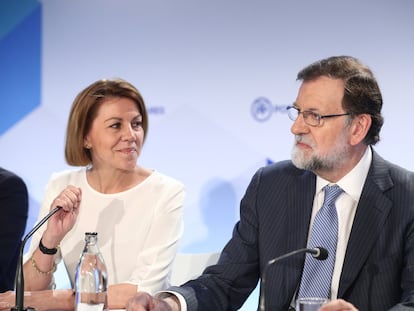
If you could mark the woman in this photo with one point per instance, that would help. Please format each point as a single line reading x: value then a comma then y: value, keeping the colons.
x: 136, y: 211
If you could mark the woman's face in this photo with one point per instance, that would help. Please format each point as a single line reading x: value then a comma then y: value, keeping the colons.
x: 116, y: 135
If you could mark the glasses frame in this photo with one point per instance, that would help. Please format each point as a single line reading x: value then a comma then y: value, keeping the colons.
x: 307, y: 113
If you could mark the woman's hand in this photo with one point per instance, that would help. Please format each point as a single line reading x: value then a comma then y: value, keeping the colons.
x: 7, y: 300
x: 63, y: 221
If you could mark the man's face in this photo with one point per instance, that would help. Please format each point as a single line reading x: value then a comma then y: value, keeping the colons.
x: 325, y: 147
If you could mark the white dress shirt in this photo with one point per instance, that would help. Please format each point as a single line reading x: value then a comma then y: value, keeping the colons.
x: 346, y: 205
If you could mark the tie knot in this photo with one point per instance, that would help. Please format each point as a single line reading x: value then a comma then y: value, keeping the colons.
x: 332, y: 193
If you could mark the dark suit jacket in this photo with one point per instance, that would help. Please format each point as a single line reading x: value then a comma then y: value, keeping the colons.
x: 378, y: 270
x: 13, y: 217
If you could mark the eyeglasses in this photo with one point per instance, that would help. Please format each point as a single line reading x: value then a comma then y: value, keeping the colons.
x: 311, y: 118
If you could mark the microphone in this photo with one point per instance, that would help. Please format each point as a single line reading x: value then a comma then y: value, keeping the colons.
x: 319, y: 253
x: 19, y: 281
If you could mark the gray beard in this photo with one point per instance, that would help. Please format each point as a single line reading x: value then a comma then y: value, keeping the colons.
x: 320, y: 163
x: 313, y: 164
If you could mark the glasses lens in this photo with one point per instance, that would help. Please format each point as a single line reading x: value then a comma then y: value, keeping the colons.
x: 293, y: 113
x: 311, y: 118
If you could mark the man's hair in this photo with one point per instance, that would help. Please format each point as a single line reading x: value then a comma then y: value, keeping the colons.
x: 362, y: 94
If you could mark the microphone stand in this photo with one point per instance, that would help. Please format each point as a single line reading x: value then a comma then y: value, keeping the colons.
x: 19, y: 282
x: 318, y: 252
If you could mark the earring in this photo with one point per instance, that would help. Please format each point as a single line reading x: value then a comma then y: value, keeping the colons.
x: 87, y: 146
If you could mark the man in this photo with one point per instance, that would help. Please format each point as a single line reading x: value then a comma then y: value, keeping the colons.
x: 337, y: 118
x: 14, y: 208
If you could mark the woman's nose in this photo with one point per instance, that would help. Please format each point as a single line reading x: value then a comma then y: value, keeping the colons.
x: 128, y: 133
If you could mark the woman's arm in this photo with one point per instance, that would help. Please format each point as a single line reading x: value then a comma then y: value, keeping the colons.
x: 39, y: 268
x: 63, y: 300
x: 119, y: 294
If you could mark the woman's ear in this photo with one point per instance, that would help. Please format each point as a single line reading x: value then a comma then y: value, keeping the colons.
x: 86, y: 144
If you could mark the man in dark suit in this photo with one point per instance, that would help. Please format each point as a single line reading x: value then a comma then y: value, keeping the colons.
x: 337, y: 119
x: 14, y: 208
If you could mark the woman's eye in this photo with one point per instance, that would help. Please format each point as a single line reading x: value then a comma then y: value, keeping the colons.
x: 115, y: 125
x: 137, y: 124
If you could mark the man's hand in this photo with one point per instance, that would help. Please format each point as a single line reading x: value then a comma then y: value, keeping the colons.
x: 338, y: 305
x: 145, y: 302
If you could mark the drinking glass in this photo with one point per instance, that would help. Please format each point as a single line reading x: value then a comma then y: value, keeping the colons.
x: 310, y: 303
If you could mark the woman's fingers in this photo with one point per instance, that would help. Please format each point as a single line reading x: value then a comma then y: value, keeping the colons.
x: 69, y: 199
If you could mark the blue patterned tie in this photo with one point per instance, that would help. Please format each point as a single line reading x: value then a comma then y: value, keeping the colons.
x: 317, y: 274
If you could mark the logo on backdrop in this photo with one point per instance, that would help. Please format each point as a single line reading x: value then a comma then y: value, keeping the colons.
x: 262, y: 109
x: 160, y: 110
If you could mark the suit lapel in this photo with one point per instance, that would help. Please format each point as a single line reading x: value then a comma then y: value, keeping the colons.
x: 372, y: 211
x: 301, y: 196
x: 299, y: 209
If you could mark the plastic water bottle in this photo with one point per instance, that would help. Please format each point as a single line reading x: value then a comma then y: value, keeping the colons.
x: 91, y: 277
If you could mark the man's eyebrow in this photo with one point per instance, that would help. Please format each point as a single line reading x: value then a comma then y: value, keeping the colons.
x: 294, y: 105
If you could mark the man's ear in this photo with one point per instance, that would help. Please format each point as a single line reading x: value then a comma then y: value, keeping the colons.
x: 359, y: 128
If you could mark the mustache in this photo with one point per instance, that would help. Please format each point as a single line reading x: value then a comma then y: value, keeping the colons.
x: 304, y: 140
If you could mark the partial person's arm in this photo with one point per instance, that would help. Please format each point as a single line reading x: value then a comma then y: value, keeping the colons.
x: 14, y: 209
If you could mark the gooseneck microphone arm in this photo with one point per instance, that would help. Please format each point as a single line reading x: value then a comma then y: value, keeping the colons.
x: 319, y: 253
x: 19, y: 281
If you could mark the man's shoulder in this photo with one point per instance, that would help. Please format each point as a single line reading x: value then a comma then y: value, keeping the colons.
x: 10, y: 179
x: 284, y: 171
x: 396, y: 170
